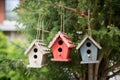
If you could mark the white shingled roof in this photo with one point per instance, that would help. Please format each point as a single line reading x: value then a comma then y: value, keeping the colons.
x: 40, y: 45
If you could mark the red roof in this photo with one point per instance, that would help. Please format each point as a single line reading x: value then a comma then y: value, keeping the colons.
x: 64, y: 37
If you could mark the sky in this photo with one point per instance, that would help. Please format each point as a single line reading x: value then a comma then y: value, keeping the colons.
x: 11, y: 4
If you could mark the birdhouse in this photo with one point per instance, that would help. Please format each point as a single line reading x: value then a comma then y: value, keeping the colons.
x: 88, y: 50
x: 37, y: 53
x: 61, y: 47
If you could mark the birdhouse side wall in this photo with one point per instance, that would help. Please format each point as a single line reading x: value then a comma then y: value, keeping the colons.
x: 92, y: 56
x: 44, y: 59
x: 68, y: 53
x: 60, y: 50
x: 35, y: 58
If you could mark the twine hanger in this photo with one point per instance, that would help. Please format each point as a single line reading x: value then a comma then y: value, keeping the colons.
x: 89, y: 28
x: 62, y: 19
x: 40, y: 28
x: 38, y: 31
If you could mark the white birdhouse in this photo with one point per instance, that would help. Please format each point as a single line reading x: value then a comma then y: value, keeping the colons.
x: 37, y: 53
x: 89, y: 50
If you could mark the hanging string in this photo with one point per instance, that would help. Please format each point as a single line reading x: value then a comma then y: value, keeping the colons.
x: 38, y: 32
x: 62, y: 19
x: 42, y: 26
x: 89, y: 28
x: 39, y: 27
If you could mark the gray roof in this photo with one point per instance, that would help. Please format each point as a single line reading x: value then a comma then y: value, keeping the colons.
x: 91, y: 39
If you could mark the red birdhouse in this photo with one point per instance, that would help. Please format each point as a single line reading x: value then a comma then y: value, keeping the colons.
x: 61, y: 47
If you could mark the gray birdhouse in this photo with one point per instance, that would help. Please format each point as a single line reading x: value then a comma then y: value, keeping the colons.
x: 88, y: 50
x: 37, y: 54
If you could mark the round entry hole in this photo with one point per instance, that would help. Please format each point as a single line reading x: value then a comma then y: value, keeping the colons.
x: 60, y: 49
x: 35, y: 56
x: 88, y: 51
x: 88, y: 44
x: 60, y: 42
x: 35, y: 50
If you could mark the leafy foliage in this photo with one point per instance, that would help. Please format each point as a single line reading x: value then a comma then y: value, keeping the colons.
x: 10, y: 60
x: 104, y: 27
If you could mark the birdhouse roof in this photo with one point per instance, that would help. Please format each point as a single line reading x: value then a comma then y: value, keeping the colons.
x: 40, y: 45
x: 64, y: 37
x: 91, y: 39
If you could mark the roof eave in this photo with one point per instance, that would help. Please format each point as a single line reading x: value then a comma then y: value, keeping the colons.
x: 68, y: 45
x: 31, y: 45
x: 94, y: 42
x: 81, y: 43
x: 54, y: 39
x: 91, y: 39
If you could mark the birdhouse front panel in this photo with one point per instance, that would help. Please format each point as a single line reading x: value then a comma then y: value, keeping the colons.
x: 61, y: 47
x: 88, y: 51
x: 37, y: 53
x: 34, y: 57
x: 60, y: 50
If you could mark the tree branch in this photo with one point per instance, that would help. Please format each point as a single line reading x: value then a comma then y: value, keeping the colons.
x: 97, y: 67
x: 110, y: 16
x: 96, y: 2
x: 42, y: 30
x: 114, y: 74
x: 112, y: 67
x: 90, y: 72
x: 69, y: 8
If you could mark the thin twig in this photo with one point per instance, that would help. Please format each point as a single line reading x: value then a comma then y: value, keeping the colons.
x: 42, y: 30
x: 115, y: 73
x: 68, y: 8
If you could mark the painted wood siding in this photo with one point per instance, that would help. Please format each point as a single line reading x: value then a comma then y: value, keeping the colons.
x: 2, y: 11
x: 84, y: 49
x: 56, y: 53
